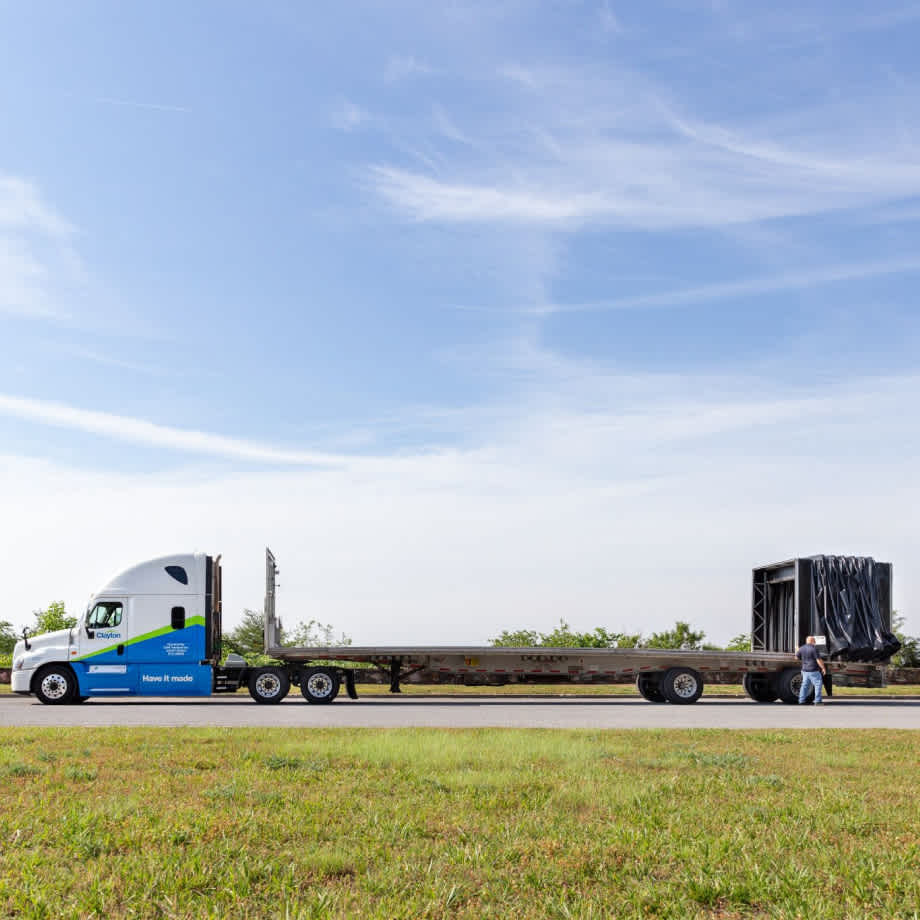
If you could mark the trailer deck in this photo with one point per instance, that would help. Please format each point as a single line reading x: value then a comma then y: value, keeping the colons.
x: 661, y: 675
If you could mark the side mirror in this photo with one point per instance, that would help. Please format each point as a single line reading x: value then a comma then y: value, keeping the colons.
x: 25, y: 637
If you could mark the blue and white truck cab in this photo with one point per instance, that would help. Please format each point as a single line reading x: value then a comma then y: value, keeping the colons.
x: 153, y: 630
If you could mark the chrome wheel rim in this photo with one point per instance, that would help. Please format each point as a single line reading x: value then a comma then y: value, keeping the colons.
x: 268, y: 685
x: 319, y: 685
x: 684, y: 686
x: 55, y: 686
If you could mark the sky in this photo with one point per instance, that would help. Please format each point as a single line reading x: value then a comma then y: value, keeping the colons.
x: 481, y: 315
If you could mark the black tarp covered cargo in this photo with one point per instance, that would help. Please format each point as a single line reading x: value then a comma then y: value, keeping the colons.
x: 846, y: 599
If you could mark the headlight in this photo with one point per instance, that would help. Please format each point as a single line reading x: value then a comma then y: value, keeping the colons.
x: 17, y: 664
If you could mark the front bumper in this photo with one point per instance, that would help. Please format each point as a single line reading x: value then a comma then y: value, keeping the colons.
x: 21, y: 680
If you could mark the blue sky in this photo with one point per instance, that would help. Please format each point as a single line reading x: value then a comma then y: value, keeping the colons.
x: 481, y: 314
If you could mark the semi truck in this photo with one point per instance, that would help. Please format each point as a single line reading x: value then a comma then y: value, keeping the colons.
x: 155, y: 630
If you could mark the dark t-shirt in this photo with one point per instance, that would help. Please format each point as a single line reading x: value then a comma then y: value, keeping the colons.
x: 809, y: 655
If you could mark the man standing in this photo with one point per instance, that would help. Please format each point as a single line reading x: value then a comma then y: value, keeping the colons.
x: 812, y: 670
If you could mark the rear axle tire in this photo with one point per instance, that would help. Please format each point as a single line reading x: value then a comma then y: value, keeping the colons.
x: 319, y: 685
x: 648, y: 688
x: 788, y: 685
x: 269, y: 685
x: 760, y: 688
x: 681, y: 685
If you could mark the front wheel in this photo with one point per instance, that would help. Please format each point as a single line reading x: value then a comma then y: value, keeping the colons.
x: 55, y: 684
x: 319, y: 685
x: 681, y: 685
x: 269, y: 685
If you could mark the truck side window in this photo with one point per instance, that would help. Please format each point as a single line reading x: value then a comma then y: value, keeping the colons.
x: 177, y: 572
x: 178, y: 618
x: 104, y: 615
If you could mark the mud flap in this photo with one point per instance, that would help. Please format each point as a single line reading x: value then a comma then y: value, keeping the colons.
x: 350, y: 685
x: 828, y: 681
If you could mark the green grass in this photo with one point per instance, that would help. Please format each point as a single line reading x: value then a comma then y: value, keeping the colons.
x: 299, y: 823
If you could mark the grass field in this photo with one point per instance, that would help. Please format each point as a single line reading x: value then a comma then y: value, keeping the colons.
x: 469, y: 824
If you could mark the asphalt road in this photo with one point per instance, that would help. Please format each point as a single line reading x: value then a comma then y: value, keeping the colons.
x: 446, y: 712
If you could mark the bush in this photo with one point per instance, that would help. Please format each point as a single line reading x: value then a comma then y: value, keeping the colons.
x: 563, y: 636
x: 248, y: 640
x: 909, y: 654
x: 8, y: 639
x: 52, y: 619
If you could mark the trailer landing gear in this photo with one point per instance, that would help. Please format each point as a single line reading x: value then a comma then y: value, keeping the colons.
x: 350, y: 688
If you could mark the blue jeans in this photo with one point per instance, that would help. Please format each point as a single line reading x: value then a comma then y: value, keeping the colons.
x: 810, y: 678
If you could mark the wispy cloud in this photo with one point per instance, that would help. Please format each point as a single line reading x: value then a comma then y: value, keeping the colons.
x: 133, y: 104
x: 110, y: 360
x: 22, y: 282
x: 650, y: 185
x: 794, y: 280
x: 520, y: 75
x: 348, y: 116
x: 22, y: 208
x: 427, y: 198
x: 139, y: 431
x: 403, y: 67
x: 611, y: 148
x: 807, y: 24
x: 608, y: 19
x: 448, y: 128
x: 36, y: 251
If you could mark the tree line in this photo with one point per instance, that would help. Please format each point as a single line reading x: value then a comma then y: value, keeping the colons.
x: 681, y: 636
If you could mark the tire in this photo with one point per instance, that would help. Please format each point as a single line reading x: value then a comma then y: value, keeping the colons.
x: 788, y: 685
x: 319, y: 685
x: 648, y: 688
x: 55, y: 684
x: 760, y: 688
x: 269, y: 685
x: 681, y: 685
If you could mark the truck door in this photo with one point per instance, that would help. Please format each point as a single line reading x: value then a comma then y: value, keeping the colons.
x: 166, y: 646
x: 100, y: 662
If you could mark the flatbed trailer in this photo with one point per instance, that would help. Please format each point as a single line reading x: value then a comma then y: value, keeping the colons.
x: 155, y: 630
x: 661, y: 675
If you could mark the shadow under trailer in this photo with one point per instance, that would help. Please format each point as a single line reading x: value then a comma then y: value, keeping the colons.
x: 155, y: 630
